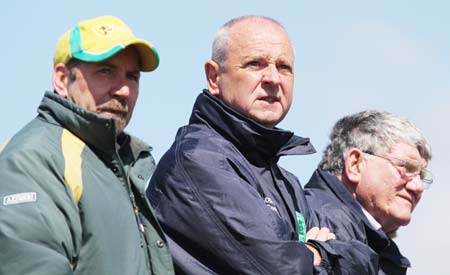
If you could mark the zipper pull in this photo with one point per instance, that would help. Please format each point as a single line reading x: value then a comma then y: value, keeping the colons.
x: 139, y: 219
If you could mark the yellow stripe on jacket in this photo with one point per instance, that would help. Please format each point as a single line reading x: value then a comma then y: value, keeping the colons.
x: 72, y: 147
x: 3, y: 146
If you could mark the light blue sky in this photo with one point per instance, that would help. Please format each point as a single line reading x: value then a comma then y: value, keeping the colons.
x: 350, y: 56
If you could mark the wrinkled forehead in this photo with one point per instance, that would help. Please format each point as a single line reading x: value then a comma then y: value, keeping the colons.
x: 405, y: 150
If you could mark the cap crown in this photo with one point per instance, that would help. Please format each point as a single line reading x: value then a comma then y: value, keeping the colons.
x: 97, y: 39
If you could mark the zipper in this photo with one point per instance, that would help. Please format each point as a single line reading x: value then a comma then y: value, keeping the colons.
x: 137, y: 212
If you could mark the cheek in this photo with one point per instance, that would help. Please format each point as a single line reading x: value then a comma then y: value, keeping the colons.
x: 236, y: 92
x: 374, y: 189
x: 389, y: 188
x: 287, y: 83
x: 288, y: 100
x: 248, y: 82
x: 100, y: 95
x: 132, y: 99
x: 81, y: 95
x: 396, y: 182
x: 287, y: 88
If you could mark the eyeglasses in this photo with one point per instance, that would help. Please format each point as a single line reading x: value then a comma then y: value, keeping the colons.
x: 409, y: 168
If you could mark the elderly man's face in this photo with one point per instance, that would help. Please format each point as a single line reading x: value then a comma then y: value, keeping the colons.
x: 258, y: 75
x: 385, y: 192
x: 109, y: 87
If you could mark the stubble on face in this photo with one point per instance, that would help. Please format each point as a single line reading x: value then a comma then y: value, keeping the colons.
x: 109, y: 87
x: 116, y: 108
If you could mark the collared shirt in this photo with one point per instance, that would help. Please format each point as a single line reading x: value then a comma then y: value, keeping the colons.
x: 373, y: 222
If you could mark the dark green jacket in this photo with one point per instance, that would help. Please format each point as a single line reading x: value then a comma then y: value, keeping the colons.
x: 69, y: 194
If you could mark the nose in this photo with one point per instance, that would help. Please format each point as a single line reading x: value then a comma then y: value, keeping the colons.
x: 415, y: 184
x: 121, y: 89
x: 271, y: 75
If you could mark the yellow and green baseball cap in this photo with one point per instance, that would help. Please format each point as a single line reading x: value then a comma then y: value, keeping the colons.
x: 97, y: 39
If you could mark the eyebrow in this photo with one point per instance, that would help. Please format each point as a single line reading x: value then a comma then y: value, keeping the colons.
x: 105, y: 63
x: 111, y: 65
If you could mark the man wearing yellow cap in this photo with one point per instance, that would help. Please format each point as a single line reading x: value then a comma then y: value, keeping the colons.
x: 72, y: 181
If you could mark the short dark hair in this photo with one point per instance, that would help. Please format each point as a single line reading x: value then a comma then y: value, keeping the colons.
x: 71, y: 64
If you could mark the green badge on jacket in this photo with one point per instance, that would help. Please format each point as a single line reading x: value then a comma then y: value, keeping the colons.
x: 301, y: 226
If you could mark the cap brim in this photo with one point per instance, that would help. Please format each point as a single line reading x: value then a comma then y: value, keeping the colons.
x: 149, y: 58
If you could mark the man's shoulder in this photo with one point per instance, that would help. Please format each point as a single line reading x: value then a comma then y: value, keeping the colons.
x: 335, y: 214
x: 199, y: 152
x: 321, y: 197
x: 325, y: 202
x: 325, y: 191
x: 36, y: 138
x: 199, y: 132
x: 198, y: 143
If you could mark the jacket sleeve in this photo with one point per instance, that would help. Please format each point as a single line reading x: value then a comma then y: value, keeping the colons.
x: 212, y: 215
x: 36, y: 235
x: 349, y: 253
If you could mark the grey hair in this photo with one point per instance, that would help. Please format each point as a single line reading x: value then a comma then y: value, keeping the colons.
x: 372, y: 131
x: 221, y: 37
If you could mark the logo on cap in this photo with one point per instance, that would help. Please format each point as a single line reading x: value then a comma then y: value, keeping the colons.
x: 104, y: 30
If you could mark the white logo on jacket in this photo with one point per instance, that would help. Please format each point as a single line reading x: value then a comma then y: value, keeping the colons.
x: 269, y: 202
x: 20, y: 198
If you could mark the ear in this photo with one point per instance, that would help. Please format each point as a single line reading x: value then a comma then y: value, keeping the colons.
x: 61, y: 78
x: 212, y: 76
x: 352, y: 169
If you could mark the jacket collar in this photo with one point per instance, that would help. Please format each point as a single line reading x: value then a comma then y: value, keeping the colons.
x: 377, y: 239
x: 256, y: 142
x: 327, y: 182
x: 95, y: 130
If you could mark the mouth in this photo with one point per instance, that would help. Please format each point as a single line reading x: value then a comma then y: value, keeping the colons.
x: 114, y: 113
x: 269, y: 99
x: 410, y: 199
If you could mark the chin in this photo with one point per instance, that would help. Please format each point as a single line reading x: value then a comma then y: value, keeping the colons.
x: 403, y: 221
x: 269, y: 122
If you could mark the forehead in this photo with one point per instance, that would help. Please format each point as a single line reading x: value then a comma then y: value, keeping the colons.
x: 407, y: 151
x: 259, y: 38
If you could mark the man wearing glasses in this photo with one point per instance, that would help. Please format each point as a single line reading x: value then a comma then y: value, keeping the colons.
x: 369, y: 181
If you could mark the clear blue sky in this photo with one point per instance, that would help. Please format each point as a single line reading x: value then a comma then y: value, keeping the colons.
x: 350, y: 56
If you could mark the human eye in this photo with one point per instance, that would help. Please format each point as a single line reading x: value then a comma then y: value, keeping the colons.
x: 105, y: 71
x: 412, y: 167
x: 134, y: 76
x: 254, y: 64
x: 284, y: 68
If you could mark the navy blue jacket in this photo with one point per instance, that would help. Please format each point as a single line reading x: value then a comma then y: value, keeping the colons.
x: 224, y: 203
x: 338, y: 210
